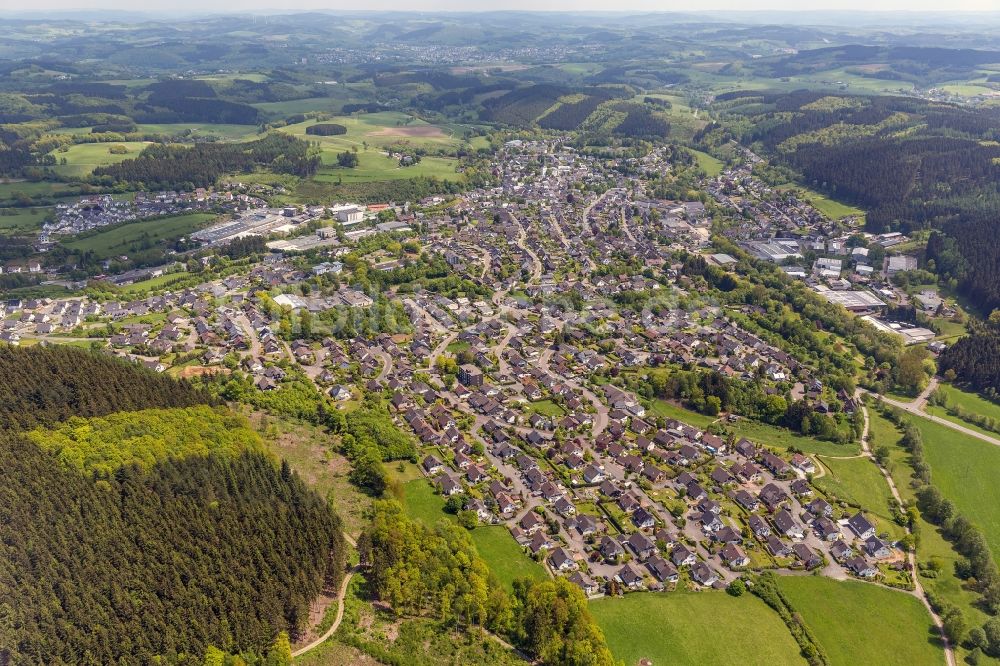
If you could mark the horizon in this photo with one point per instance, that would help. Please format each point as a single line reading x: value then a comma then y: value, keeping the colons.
x: 733, y: 8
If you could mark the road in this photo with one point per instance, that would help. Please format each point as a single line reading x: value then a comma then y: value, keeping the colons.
x: 244, y: 323
x: 915, y: 407
x: 601, y: 418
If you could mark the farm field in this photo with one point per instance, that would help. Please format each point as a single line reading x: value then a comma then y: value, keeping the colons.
x: 694, y: 628
x: 965, y: 470
x: 222, y: 131
x: 374, y: 166
x: 82, y: 158
x: 124, y: 238
x: 381, y: 129
x: 897, y: 628
x: 494, y: 543
x: 859, y: 481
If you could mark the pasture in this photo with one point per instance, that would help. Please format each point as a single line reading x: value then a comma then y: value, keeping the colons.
x: 83, y: 158
x: 859, y: 623
x: 694, y: 628
x: 126, y: 238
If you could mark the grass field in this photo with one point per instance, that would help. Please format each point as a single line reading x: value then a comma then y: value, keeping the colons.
x: 375, y: 166
x: 11, y: 190
x: 82, y: 158
x: 668, y: 410
x: 966, y: 400
x: 228, y: 132
x: 932, y: 547
x: 710, y: 165
x: 125, y: 238
x: 782, y: 438
x: 832, y: 209
x: 858, y: 480
x: 694, y: 628
x: 965, y: 469
x: 494, y: 543
x: 381, y: 129
x: 22, y: 220
x: 857, y: 623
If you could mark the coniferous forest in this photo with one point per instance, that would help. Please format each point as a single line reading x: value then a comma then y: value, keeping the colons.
x: 223, y: 550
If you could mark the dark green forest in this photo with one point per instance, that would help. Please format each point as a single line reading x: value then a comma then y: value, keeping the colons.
x: 150, y: 561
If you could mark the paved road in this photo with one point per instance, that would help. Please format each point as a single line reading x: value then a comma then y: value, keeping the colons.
x: 914, y: 407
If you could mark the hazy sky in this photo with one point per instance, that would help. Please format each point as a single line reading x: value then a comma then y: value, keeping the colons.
x: 273, y: 6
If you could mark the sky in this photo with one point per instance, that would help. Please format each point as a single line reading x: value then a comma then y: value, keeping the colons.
x: 277, y: 6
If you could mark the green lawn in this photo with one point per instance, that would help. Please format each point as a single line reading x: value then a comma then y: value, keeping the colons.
x: 494, y: 543
x: 126, y: 238
x: 859, y: 481
x: 694, y: 628
x: 82, y: 158
x: 546, y: 408
x: 782, y: 438
x: 956, y: 397
x: 859, y: 623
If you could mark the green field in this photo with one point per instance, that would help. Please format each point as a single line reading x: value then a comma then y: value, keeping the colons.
x: 668, y: 410
x: 381, y: 129
x: 694, y: 628
x: 228, y: 132
x: 494, y: 543
x: 859, y: 481
x: 710, y: 165
x: 782, y: 438
x: 82, y: 158
x: 965, y: 469
x: 956, y: 397
x: 23, y: 220
x: 11, y: 190
x: 376, y: 166
x: 126, y: 238
x: 858, y: 623
x: 832, y: 209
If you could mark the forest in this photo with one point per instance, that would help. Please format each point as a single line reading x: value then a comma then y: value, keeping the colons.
x: 139, y: 523
x: 167, y: 167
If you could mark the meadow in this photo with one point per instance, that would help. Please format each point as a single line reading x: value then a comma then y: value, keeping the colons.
x: 82, y: 158
x: 782, y: 438
x: 824, y: 204
x: 859, y: 482
x: 859, y: 623
x: 495, y: 544
x: 965, y: 400
x: 965, y: 470
x: 21, y: 220
x: 694, y: 628
x: 126, y: 238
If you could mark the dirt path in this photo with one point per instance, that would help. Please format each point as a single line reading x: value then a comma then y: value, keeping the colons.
x: 918, y: 589
x: 340, y: 607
